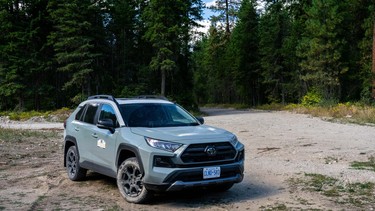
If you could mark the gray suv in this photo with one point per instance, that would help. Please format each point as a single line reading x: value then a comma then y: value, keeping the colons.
x: 149, y: 144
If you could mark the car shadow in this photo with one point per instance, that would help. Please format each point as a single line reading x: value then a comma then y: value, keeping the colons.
x: 195, y: 198
x: 198, y: 198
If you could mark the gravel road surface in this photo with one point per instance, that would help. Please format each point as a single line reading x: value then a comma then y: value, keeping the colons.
x: 284, y: 152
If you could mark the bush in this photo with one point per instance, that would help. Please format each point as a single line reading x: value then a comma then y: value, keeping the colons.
x: 312, y: 98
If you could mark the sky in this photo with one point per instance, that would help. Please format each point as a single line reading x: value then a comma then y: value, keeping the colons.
x: 206, y: 12
x: 206, y: 15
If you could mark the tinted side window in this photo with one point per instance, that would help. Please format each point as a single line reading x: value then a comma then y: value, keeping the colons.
x: 90, y: 113
x: 107, y: 112
x: 80, y: 112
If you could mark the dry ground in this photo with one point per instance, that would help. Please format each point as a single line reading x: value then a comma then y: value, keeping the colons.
x: 293, y: 162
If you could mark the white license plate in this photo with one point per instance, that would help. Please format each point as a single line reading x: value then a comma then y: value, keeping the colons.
x: 211, y: 172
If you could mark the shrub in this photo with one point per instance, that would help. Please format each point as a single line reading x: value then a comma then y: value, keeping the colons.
x: 312, y: 98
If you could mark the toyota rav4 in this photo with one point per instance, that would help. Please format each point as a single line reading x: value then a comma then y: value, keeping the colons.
x: 149, y: 144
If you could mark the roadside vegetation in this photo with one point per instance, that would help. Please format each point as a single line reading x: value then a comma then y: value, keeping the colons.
x: 357, y: 113
x: 342, y: 112
x: 55, y: 116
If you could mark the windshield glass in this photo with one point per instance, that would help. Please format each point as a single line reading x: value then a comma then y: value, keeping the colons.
x: 156, y: 115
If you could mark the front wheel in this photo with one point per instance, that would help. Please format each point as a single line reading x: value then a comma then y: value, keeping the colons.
x: 129, y: 182
x: 74, y: 170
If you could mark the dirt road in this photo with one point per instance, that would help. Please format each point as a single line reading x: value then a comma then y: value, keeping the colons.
x: 292, y: 162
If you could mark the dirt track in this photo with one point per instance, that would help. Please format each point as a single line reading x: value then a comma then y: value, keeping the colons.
x: 281, y: 149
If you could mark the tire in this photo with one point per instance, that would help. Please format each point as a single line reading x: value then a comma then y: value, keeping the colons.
x: 129, y: 182
x: 75, y: 172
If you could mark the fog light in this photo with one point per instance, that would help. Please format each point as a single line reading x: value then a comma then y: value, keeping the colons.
x: 163, y: 161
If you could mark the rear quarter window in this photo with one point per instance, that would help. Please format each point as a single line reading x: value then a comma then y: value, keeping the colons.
x: 90, y: 113
x: 80, y: 112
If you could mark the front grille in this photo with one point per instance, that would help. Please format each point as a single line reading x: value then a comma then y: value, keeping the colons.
x: 196, y: 153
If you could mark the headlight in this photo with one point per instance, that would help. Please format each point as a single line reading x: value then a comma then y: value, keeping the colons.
x: 234, y: 141
x: 164, y: 145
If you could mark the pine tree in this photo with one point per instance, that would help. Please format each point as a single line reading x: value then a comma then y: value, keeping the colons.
x: 168, y: 23
x: 24, y: 70
x: 321, y: 48
x: 73, y: 42
x: 227, y: 13
x: 272, y: 35
x: 244, y: 54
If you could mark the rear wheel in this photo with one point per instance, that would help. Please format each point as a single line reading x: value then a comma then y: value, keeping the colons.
x: 75, y: 172
x: 129, y: 182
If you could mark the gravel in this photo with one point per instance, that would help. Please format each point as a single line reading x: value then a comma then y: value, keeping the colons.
x: 280, y: 147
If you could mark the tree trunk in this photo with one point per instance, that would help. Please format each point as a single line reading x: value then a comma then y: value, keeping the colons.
x: 227, y: 29
x: 163, y: 73
x: 373, y: 60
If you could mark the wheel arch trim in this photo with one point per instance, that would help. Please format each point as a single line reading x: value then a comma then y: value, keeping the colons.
x: 126, y: 147
x: 68, y: 142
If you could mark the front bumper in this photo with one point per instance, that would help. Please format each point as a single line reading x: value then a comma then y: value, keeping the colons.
x: 180, y: 185
x: 193, y: 177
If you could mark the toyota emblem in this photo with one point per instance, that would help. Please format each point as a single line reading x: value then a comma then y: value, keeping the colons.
x: 210, y: 150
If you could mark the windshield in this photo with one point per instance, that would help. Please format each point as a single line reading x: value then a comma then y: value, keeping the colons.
x: 156, y: 115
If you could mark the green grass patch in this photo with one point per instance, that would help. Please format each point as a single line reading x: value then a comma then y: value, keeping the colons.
x: 321, y: 183
x: 60, y: 114
x: 17, y: 135
x: 356, y: 194
x: 367, y: 165
x: 275, y: 207
x: 19, y: 116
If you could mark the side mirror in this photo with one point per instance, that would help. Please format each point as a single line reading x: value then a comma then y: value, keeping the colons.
x: 106, y: 124
x: 200, y: 119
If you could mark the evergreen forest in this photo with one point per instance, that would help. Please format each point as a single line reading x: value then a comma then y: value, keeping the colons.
x: 55, y: 53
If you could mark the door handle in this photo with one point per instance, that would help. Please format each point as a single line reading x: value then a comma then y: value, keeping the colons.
x: 76, y: 129
x: 94, y: 135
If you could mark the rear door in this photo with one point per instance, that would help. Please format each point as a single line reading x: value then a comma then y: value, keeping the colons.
x: 84, y: 127
x: 104, y: 149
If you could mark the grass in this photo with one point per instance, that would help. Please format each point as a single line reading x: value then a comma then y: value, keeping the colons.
x: 355, y: 194
x: 275, y: 207
x: 14, y: 135
x: 348, y: 112
x: 321, y: 183
x: 343, y: 112
x: 61, y: 114
x: 367, y: 165
x: 37, y: 202
x: 114, y: 208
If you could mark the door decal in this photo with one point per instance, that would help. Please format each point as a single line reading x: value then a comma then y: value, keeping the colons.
x: 101, y: 143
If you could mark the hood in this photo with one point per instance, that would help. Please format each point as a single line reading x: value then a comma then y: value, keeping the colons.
x: 198, y: 133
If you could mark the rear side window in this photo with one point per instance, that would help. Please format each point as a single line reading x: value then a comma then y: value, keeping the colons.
x: 90, y: 113
x: 80, y: 112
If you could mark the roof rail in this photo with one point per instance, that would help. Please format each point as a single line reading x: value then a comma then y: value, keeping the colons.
x: 151, y: 97
x: 108, y: 97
